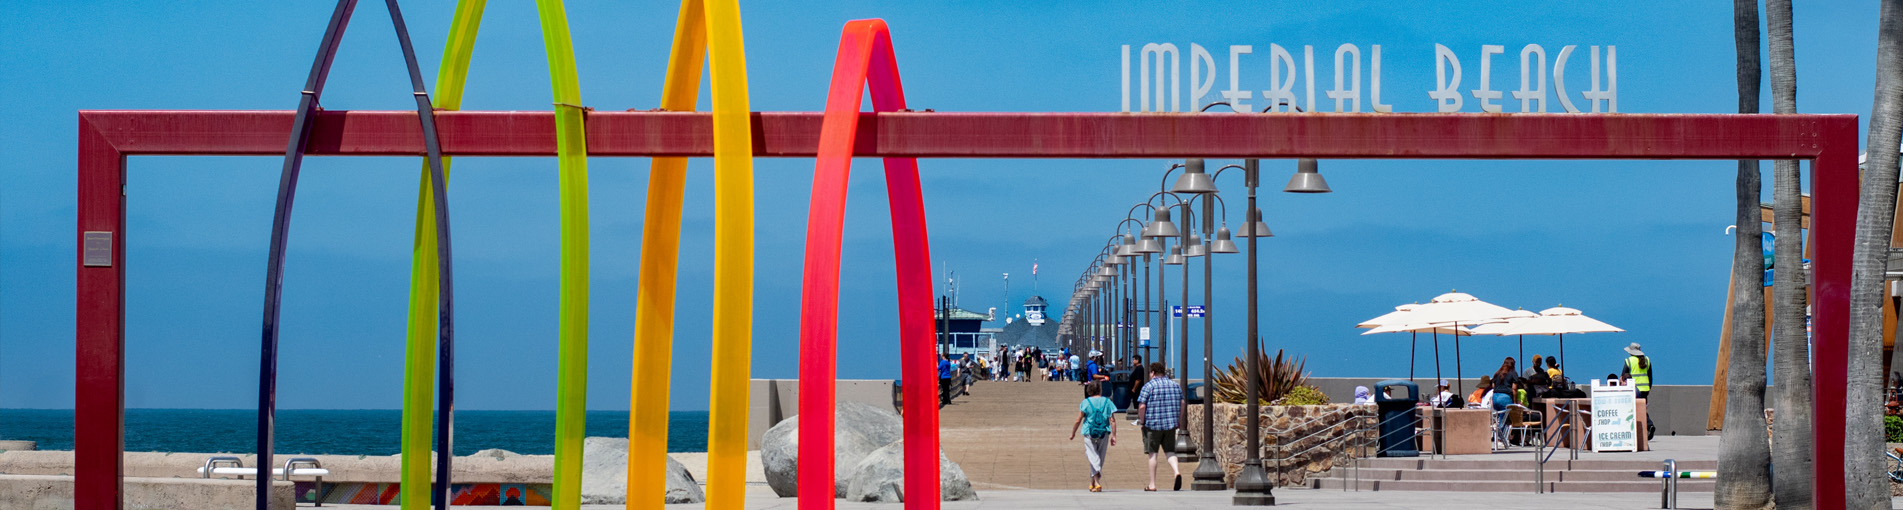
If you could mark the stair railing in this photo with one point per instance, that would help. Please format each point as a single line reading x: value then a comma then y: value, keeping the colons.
x: 1545, y: 451
x: 1354, y: 467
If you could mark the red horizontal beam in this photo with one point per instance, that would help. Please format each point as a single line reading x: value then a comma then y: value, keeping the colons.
x: 1002, y: 135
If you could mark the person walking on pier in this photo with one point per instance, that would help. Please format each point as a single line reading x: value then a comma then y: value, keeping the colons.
x: 1100, y: 431
x: 944, y: 380
x: 1638, y: 370
x: 1160, y: 404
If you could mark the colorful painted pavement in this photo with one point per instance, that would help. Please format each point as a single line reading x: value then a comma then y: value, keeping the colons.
x: 474, y: 494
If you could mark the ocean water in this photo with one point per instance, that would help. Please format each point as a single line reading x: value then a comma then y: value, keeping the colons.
x: 335, y: 432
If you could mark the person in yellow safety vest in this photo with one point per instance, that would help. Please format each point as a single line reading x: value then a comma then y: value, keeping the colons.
x: 1638, y: 370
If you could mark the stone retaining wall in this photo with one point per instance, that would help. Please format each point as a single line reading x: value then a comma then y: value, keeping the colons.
x: 1283, y: 431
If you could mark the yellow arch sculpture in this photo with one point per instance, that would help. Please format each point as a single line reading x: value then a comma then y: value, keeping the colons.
x: 709, y: 29
x: 572, y: 159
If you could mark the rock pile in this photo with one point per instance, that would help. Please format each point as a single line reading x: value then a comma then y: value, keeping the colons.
x: 604, y: 474
x: 868, y: 457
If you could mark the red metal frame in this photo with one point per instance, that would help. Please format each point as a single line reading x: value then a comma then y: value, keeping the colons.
x: 865, y: 65
x: 107, y: 137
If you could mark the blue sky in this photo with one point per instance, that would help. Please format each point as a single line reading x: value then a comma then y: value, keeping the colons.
x: 1638, y: 244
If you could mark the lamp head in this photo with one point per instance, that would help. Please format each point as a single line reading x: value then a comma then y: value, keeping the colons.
x: 1255, y: 227
x: 1222, y: 244
x: 1307, y: 178
x: 1148, y: 245
x: 1176, y: 257
x: 1127, y: 247
x: 1194, y: 179
x: 1160, y: 225
x: 1194, y: 247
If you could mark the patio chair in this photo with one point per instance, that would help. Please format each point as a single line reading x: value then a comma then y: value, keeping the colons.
x: 1530, y: 430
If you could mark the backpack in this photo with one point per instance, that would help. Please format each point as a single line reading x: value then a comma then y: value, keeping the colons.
x: 1097, y: 423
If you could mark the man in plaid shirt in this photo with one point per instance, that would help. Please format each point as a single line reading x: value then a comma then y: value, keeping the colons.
x: 1160, y: 404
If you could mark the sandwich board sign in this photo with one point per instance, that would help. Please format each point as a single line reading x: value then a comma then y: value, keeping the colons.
x: 1615, y: 419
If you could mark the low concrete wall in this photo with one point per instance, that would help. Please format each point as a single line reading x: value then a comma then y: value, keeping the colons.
x: 18, y: 445
x: 774, y: 400
x: 1674, y: 409
x: 47, y: 492
x: 343, y: 468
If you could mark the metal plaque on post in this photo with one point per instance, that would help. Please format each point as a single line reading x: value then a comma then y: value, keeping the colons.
x: 96, y: 250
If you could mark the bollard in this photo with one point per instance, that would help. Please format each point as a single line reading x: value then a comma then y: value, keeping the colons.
x: 1669, y: 498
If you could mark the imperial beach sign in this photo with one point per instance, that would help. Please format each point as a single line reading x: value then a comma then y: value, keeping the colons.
x: 1161, y: 64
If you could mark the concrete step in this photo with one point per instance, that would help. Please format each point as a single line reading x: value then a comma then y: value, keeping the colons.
x: 1524, y: 461
x: 1489, y: 474
x: 1525, y: 485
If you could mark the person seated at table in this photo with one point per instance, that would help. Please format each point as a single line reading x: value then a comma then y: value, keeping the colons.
x: 1536, y: 380
x: 1521, y: 398
x: 1552, y: 367
x: 1442, y: 396
x: 1475, y: 399
x: 1363, y: 396
x: 1562, y: 387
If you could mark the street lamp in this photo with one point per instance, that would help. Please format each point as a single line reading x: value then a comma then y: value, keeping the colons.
x: 1253, y: 488
x: 1208, y: 475
x: 1159, y: 230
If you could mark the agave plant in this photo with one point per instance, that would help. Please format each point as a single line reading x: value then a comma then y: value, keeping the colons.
x: 1277, y: 378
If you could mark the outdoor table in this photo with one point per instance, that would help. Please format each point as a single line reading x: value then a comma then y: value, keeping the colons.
x: 1554, y: 416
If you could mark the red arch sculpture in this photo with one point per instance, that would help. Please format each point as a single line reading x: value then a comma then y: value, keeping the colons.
x: 865, y: 57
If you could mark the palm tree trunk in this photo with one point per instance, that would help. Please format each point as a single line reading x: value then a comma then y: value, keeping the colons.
x: 1744, y: 456
x: 1791, y: 449
x: 1865, y: 484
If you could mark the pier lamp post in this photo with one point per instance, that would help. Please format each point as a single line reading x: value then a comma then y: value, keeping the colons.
x: 1176, y: 258
x: 1208, y: 475
x: 1198, y: 184
x: 1160, y: 230
x: 1253, y: 487
x: 1134, y: 244
x: 1120, y: 294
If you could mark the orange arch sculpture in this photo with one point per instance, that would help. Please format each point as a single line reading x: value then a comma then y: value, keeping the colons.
x: 865, y: 60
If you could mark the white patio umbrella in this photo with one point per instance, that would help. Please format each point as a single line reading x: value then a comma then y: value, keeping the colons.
x: 1412, y: 341
x: 1496, y: 328
x: 1450, y: 309
x: 1388, y: 318
x: 1413, y: 338
x: 1560, y: 320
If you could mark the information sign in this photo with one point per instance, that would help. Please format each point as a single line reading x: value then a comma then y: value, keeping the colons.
x: 1615, y: 419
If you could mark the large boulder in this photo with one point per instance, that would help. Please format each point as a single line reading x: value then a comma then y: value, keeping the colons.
x: 880, y: 478
x: 858, y: 430
x: 604, y: 474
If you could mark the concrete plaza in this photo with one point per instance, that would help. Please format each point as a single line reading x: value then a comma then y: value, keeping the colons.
x: 760, y: 498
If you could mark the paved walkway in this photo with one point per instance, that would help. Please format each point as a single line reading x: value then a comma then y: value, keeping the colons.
x: 763, y: 499
x: 1014, y: 435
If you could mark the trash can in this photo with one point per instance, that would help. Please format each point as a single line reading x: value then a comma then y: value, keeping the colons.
x: 1399, y: 419
x: 1119, y: 390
